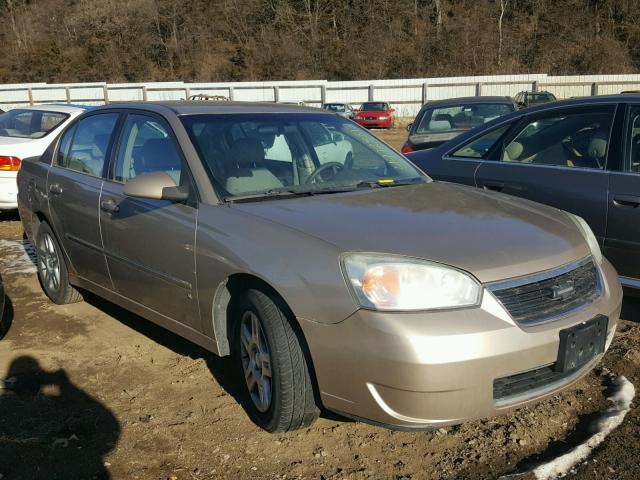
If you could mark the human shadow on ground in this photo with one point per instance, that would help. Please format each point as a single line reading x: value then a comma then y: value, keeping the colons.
x: 50, y: 428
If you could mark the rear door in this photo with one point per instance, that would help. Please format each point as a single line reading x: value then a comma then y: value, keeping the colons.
x: 622, y: 244
x: 73, y: 188
x: 150, y: 244
x: 556, y: 157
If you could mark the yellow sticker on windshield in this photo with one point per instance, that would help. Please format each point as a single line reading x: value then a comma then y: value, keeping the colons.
x: 386, y: 180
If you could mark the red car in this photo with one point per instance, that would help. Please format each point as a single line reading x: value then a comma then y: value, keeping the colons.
x: 375, y: 114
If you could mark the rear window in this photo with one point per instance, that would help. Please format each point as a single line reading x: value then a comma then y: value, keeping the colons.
x: 458, y: 118
x: 374, y: 107
x: 29, y: 123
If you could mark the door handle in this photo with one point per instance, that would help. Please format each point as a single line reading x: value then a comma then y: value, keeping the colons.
x: 496, y: 186
x: 626, y: 201
x: 55, y: 189
x: 109, y: 206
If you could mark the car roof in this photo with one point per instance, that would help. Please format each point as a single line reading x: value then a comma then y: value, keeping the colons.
x: 195, y: 107
x: 55, y: 107
x: 468, y: 100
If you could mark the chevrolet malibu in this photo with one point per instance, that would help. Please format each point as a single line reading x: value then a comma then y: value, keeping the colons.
x: 359, y: 286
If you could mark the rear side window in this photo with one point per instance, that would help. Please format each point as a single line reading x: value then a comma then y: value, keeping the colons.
x: 87, y: 151
x: 569, y: 138
x: 65, y: 143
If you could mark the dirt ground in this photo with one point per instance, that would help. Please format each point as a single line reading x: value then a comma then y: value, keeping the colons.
x: 93, y: 391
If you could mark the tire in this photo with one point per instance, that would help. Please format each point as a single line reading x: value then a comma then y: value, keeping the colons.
x: 266, y: 344
x: 52, y: 269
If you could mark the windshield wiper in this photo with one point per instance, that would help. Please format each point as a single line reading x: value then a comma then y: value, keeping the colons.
x: 383, y: 183
x: 269, y: 194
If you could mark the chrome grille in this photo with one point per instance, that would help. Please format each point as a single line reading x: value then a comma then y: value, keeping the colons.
x: 543, y: 297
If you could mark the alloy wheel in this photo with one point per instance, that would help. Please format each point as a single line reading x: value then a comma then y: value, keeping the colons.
x: 256, y: 361
x: 49, y: 263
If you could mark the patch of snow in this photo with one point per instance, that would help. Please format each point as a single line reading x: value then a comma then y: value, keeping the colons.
x: 17, y: 256
x: 608, y: 420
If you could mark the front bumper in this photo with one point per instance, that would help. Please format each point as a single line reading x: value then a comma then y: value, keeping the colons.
x: 422, y: 370
x: 377, y: 123
x: 8, y: 191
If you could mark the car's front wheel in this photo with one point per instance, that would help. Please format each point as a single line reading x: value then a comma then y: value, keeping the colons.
x: 278, y: 388
x: 52, y: 270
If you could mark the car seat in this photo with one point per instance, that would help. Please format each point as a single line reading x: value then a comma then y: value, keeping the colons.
x: 247, y: 170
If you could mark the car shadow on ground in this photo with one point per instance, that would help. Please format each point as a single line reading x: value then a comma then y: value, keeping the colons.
x: 50, y: 428
x: 223, y: 369
x: 9, y: 216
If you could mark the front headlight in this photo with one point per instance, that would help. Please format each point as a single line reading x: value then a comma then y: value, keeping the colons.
x: 588, y: 235
x: 389, y: 282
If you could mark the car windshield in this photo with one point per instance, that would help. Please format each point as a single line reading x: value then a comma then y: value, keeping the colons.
x: 458, y: 118
x: 21, y: 123
x: 373, y: 107
x: 267, y: 155
x: 335, y: 107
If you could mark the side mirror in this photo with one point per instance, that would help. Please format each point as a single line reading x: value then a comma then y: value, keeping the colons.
x: 156, y: 186
x: 409, y: 127
x: 337, y: 137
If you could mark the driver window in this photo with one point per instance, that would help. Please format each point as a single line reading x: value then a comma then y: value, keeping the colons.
x: 633, y: 156
x: 146, y: 147
x: 578, y: 138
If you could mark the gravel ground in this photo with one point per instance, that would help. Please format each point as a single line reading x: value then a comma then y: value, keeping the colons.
x: 97, y: 392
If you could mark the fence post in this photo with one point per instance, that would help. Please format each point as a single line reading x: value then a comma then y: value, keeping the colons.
x: 594, y: 89
x: 187, y: 93
x: 323, y: 94
x: 534, y: 86
x: 478, y: 89
x: 144, y: 93
x: 30, y: 95
x: 68, y: 94
x: 276, y: 93
x: 371, y: 92
x: 105, y: 95
x: 231, y: 93
x: 424, y: 93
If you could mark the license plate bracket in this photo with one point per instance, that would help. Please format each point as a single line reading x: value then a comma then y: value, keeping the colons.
x: 581, y: 343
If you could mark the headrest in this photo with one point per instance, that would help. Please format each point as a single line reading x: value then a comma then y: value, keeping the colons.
x: 598, y: 144
x: 513, y: 151
x: 247, y: 151
x: 442, y: 117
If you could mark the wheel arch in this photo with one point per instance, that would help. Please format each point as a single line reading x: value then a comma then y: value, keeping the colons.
x: 235, y: 285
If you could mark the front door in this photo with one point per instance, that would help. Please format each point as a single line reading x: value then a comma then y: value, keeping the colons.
x: 557, y: 158
x: 73, y: 187
x: 622, y: 244
x: 149, y: 244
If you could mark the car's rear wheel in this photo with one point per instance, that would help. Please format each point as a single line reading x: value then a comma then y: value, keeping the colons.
x: 278, y: 388
x: 52, y: 270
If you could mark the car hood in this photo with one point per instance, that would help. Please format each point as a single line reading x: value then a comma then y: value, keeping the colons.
x: 491, y: 235
x: 373, y: 113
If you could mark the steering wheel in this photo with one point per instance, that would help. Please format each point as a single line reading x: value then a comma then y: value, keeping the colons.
x: 335, y: 166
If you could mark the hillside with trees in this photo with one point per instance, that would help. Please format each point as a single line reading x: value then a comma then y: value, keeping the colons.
x: 200, y: 40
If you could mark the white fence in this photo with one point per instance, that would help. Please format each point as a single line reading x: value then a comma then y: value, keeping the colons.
x: 406, y: 95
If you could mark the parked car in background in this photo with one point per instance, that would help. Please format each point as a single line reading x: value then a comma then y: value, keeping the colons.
x: 27, y: 132
x: 579, y: 155
x: 343, y: 109
x: 527, y: 99
x: 439, y: 121
x: 362, y: 287
x: 375, y: 114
